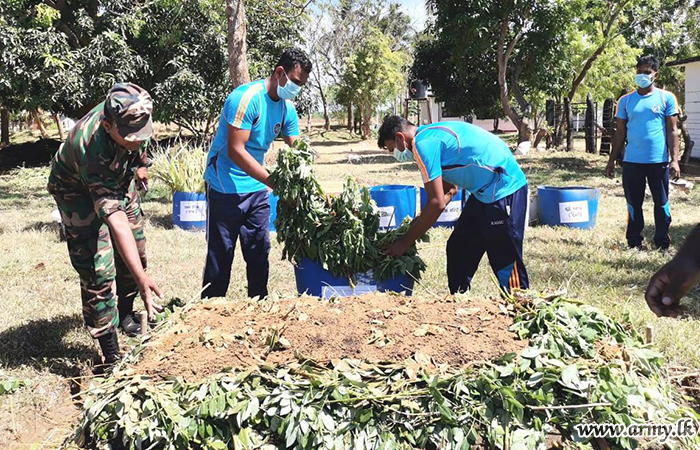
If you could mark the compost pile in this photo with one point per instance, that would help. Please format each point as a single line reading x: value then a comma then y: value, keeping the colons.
x: 579, y: 367
x: 340, y: 232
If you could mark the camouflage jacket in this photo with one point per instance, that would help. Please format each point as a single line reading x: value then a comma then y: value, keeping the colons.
x: 90, y: 163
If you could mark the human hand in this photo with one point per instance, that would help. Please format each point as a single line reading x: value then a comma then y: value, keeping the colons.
x: 146, y: 285
x: 671, y: 283
x: 610, y: 169
x: 675, y: 169
x: 142, y: 178
x: 396, y: 249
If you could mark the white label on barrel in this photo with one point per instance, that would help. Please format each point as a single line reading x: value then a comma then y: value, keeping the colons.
x: 573, y: 212
x: 193, y: 211
x: 387, y: 217
x: 451, y: 212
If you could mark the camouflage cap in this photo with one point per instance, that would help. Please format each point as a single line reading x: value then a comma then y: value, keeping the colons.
x: 130, y: 107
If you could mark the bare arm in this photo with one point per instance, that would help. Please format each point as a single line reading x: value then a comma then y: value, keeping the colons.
x: 289, y: 140
x: 672, y: 143
x: 237, y: 140
x: 126, y: 246
x: 437, y: 201
x: 618, y: 142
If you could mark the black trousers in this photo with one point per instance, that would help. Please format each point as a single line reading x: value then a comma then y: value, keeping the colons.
x: 635, y: 178
x: 230, y: 217
x: 495, y: 229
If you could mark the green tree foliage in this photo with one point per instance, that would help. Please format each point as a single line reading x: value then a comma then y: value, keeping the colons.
x: 65, y: 55
x: 488, y: 50
x: 373, y: 76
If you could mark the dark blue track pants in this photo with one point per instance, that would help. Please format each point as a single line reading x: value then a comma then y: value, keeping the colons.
x: 635, y: 178
x: 495, y: 229
x: 230, y: 216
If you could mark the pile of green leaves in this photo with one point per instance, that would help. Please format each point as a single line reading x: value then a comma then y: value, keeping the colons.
x: 341, y: 232
x: 357, y: 405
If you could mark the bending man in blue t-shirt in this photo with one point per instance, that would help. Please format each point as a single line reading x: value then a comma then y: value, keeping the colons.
x: 452, y: 155
x: 647, y: 119
x: 237, y: 198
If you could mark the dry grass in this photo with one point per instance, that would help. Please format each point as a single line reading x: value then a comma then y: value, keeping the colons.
x: 41, y: 334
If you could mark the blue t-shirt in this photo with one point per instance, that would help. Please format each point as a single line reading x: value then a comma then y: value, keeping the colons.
x: 248, y: 107
x: 468, y: 157
x: 646, y: 124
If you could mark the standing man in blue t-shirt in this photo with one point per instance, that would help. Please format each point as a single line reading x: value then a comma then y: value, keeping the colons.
x: 452, y: 155
x: 647, y: 119
x: 237, y: 199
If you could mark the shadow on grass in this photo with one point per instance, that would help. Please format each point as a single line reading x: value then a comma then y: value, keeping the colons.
x: 164, y: 221
x: 576, y: 169
x: 356, y: 159
x: 43, y: 226
x: 41, y: 344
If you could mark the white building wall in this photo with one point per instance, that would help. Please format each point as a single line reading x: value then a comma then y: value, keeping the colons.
x: 692, y: 104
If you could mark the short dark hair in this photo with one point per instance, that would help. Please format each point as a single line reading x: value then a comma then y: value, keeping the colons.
x: 648, y: 60
x: 390, y: 126
x: 293, y: 57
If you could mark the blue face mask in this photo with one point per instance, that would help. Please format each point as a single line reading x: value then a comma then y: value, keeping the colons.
x: 289, y: 90
x: 643, y: 80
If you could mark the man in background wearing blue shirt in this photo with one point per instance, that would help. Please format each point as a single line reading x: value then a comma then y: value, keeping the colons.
x: 254, y: 114
x: 453, y: 155
x: 647, y: 119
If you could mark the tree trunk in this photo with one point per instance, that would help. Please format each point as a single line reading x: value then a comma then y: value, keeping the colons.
x: 308, y: 122
x: 351, y: 117
x: 324, y: 102
x: 5, y: 126
x: 495, y: 124
x: 688, y: 143
x: 591, y: 128
x: 503, y: 57
x: 366, y: 113
x: 237, y: 58
x: 59, y: 125
x: 569, y: 118
x: 39, y: 123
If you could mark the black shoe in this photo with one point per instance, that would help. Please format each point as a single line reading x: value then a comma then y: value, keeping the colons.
x: 130, y: 325
x: 109, y: 343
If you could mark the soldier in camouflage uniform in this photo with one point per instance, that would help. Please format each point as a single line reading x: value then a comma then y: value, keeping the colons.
x: 93, y: 179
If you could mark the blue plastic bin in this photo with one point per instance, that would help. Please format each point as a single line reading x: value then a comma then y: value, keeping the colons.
x: 273, y: 210
x: 190, y: 210
x: 450, y: 215
x: 395, y: 202
x: 314, y: 280
x: 575, y: 207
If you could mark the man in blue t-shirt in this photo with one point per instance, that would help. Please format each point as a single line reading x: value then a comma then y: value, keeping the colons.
x: 452, y: 155
x: 254, y: 114
x: 647, y: 119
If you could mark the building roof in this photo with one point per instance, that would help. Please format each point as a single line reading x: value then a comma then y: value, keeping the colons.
x: 682, y: 62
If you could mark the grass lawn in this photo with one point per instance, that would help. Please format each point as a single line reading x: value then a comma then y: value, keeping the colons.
x: 42, y: 339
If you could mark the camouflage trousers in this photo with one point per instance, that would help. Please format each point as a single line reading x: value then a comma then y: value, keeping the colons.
x: 99, y: 266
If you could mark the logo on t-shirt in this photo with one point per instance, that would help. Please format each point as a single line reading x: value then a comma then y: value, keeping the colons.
x: 656, y: 109
x: 278, y: 128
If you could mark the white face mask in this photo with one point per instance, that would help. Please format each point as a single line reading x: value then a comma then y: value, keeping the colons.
x: 403, y: 156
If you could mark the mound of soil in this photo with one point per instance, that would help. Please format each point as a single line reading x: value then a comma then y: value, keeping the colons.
x: 376, y: 327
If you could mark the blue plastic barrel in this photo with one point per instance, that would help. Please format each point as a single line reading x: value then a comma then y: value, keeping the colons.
x: 313, y: 279
x: 395, y: 202
x: 190, y: 210
x: 273, y: 210
x: 575, y: 207
x: 450, y: 215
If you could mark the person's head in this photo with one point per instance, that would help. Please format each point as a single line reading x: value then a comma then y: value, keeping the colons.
x: 127, y: 115
x: 291, y: 73
x: 647, y: 70
x: 396, y: 133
